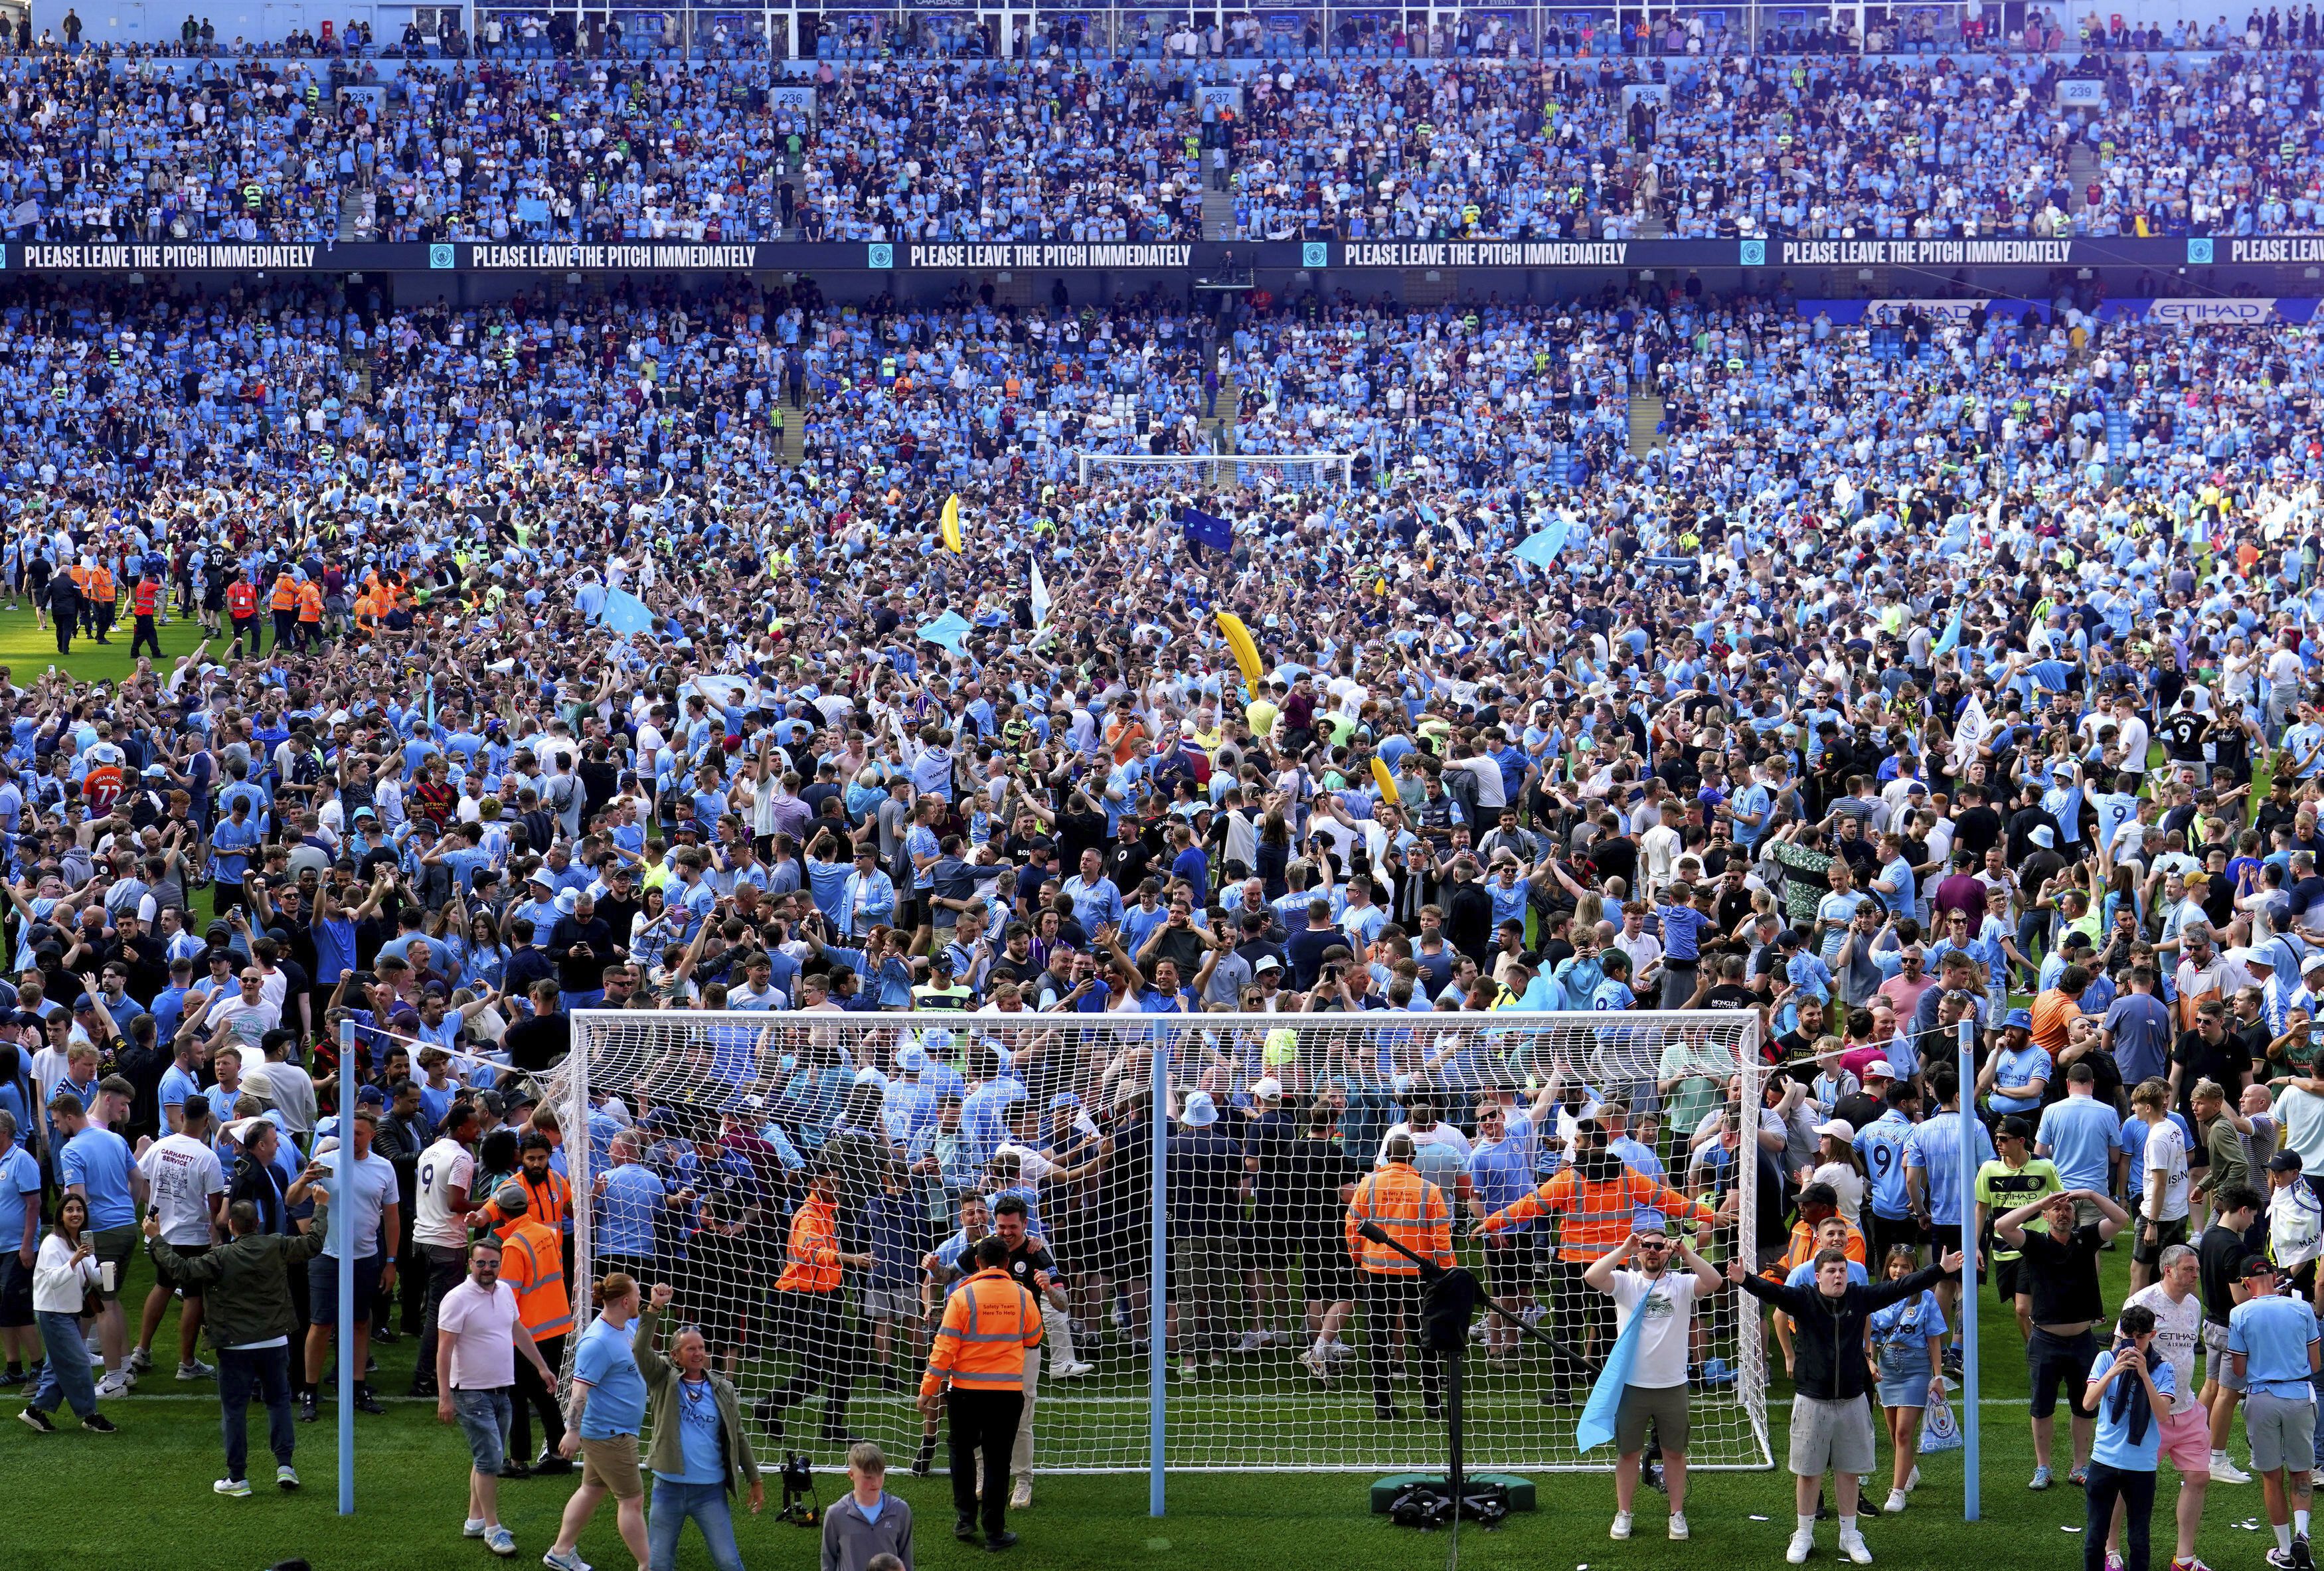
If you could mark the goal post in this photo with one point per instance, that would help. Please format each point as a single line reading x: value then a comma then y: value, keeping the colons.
x: 1221, y: 471
x: 1201, y: 1311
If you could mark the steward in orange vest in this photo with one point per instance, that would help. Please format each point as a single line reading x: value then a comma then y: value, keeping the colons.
x: 809, y: 1315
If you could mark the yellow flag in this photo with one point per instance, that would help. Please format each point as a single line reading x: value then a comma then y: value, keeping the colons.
x: 949, y: 525
x: 1239, y: 640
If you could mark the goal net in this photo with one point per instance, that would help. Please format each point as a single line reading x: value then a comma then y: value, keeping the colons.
x: 1220, y: 472
x: 1270, y: 1349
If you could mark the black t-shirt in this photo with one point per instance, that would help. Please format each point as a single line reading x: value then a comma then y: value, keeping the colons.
x: 1030, y: 1256
x: 2063, y: 1276
x: 2219, y: 1255
x: 538, y: 1043
x: 2225, y: 1061
x: 1976, y: 829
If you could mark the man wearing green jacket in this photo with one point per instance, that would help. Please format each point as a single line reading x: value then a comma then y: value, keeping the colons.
x: 700, y: 1454
x: 249, y: 1318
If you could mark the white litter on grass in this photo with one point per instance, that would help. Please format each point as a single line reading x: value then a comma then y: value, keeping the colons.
x: 2250, y: 1526
x: 2063, y: 1529
x: 1758, y: 1518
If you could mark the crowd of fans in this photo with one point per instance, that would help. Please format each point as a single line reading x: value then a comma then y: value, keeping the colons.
x: 97, y: 147
x: 1837, y: 707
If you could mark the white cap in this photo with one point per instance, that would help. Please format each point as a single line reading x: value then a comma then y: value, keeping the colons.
x: 1268, y: 1089
x: 1881, y: 1067
x: 1837, y: 1126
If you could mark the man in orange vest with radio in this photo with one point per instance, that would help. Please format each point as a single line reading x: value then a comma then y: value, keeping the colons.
x: 976, y: 1374
x: 145, y: 604
x: 310, y: 615
x: 1414, y: 1211
x: 810, y: 1313
x: 532, y: 1264
x: 104, y: 601
x: 242, y: 608
x: 285, y: 602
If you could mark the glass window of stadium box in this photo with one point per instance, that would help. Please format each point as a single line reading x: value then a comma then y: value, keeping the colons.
x: 1363, y: 34
x: 1070, y: 33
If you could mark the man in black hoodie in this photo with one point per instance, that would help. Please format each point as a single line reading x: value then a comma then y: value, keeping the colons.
x: 1831, y: 1425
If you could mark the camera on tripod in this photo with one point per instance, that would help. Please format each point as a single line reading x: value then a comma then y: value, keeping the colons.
x: 800, y: 1505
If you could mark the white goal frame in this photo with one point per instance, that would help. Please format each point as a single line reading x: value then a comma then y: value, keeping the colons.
x: 569, y: 1089
x: 1225, y: 471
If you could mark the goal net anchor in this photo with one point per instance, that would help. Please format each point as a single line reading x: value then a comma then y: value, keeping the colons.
x: 1448, y: 1307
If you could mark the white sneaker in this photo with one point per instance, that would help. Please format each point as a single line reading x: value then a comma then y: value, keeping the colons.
x: 1621, y: 1528
x: 1251, y: 1342
x: 1803, y: 1544
x: 2225, y: 1471
x: 1276, y: 1338
x: 1021, y: 1497
x: 113, y: 1385
x: 1912, y: 1479
x: 474, y: 1527
x: 1852, y: 1545
x: 195, y: 1369
x: 139, y: 1360
x: 1678, y: 1528
x: 1896, y: 1503
x: 1073, y: 1371
x: 1338, y: 1352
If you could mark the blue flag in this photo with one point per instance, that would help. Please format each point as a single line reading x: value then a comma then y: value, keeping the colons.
x: 1542, y: 549
x: 1597, y: 1425
x: 946, y: 632
x: 1205, y: 530
x: 1950, y: 640
x: 626, y: 613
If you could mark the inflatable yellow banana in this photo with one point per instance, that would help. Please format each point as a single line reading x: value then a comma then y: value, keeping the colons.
x: 1239, y: 640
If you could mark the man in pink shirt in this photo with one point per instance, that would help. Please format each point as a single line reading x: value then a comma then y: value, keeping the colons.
x: 480, y: 1334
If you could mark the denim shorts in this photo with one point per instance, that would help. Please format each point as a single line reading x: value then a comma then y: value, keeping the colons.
x: 484, y: 1419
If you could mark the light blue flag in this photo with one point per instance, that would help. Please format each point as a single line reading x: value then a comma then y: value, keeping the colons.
x: 532, y: 210
x: 946, y: 632
x: 1542, y: 549
x: 1598, y: 1415
x: 626, y: 613
x: 1950, y: 640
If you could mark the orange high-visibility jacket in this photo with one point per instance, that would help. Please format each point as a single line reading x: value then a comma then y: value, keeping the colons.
x: 286, y: 593
x: 146, y: 600
x: 547, y: 1203
x: 241, y: 600
x: 1800, y: 1248
x: 1409, y: 1209
x: 1597, y: 1213
x: 532, y: 1263
x: 811, y: 1258
x: 310, y: 602
x: 990, y: 1322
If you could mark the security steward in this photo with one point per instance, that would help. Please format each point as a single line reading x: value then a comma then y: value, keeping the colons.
x: 242, y: 608
x: 1414, y: 1211
x: 145, y: 604
x: 104, y: 600
x: 976, y: 1373
x: 812, y: 1314
x: 284, y: 603
x: 532, y: 1263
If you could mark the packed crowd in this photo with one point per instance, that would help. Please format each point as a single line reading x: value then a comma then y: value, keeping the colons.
x: 535, y: 677
x: 937, y: 150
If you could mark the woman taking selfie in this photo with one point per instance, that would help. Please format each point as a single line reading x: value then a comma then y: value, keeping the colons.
x: 62, y: 1278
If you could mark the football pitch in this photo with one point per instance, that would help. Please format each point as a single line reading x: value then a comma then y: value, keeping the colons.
x: 142, y: 1497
